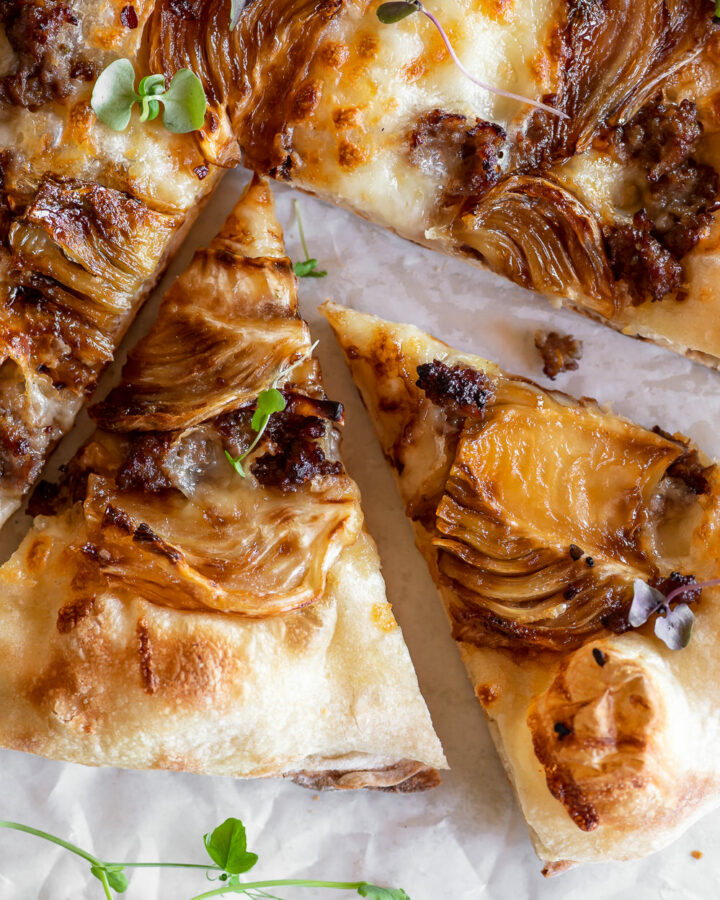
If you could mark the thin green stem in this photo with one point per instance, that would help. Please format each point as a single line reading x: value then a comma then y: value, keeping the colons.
x: 300, y: 228
x: 161, y: 865
x: 106, y: 884
x: 287, y: 882
x: 73, y: 848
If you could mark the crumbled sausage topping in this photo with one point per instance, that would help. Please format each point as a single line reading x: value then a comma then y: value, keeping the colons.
x: 141, y: 469
x: 469, y: 154
x: 659, y: 137
x: 688, y: 467
x: 678, y: 199
x: 458, y: 389
x: 296, y: 457
x: 640, y: 260
x: 560, y: 352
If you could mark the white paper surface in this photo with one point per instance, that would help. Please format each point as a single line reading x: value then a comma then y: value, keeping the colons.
x: 465, y: 839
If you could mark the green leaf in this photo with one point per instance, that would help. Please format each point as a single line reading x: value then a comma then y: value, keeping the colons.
x: 389, y: 13
x: 151, y: 85
x: 236, y: 463
x: 268, y: 402
x: 237, y: 6
x: 184, y: 102
x: 114, y: 94
x: 149, y: 109
x: 115, y: 877
x: 227, y: 847
x: 381, y: 893
x: 307, y: 269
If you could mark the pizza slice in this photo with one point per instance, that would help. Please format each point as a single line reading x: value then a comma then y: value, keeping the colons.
x: 200, y: 594
x: 572, y: 550
x: 603, y: 198
x: 88, y: 217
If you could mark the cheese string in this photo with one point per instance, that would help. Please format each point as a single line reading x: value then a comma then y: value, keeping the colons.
x: 483, y: 84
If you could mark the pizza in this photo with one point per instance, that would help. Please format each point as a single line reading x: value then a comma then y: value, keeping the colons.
x: 605, y: 204
x: 88, y: 218
x: 199, y: 593
x: 571, y: 549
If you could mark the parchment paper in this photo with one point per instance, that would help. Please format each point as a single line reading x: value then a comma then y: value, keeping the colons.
x: 465, y: 839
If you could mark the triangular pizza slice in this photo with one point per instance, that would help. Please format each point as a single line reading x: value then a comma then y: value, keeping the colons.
x: 573, y: 551
x: 200, y: 594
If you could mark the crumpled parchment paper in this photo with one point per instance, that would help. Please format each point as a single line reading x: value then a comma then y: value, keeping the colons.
x: 465, y: 840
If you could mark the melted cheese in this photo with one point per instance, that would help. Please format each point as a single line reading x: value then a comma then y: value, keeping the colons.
x: 394, y: 74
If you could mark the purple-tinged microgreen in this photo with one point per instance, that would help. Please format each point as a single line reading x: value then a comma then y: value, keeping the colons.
x: 269, y: 401
x: 673, y: 625
x: 113, y: 97
x: 227, y: 848
x: 236, y: 8
x: 308, y: 267
x: 395, y: 11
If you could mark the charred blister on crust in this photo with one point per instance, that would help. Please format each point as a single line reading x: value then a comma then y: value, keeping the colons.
x: 594, y: 730
x: 72, y: 613
x: 145, y: 656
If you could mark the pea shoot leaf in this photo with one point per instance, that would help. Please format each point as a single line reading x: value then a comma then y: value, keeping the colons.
x: 389, y: 13
x: 308, y: 269
x: 380, y: 893
x: 268, y: 402
x: 236, y: 463
x: 227, y: 847
x: 151, y: 85
x: 184, y: 103
x: 115, y: 877
x: 114, y: 96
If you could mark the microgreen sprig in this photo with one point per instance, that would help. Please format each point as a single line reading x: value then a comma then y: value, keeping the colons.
x: 227, y: 848
x: 673, y: 625
x: 395, y: 11
x: 268, y: 402
x: 237, y: 6
x: 113, y: 97
x: 308, y: 267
